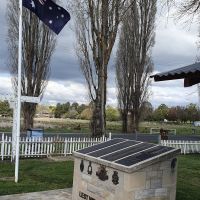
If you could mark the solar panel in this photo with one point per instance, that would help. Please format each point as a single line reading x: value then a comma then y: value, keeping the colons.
x: 100, y: 146
x: 139, y: 157
x: 124, y: 152
x: 128, y: 151
x: 113, y: 148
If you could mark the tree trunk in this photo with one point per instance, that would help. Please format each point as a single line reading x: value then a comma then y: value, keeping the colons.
x: 37, y: 49
x: 124, y: 122
x: 28, y: 115
x: 134, y: 123
x: 137, y: 120
x: 98, y: 120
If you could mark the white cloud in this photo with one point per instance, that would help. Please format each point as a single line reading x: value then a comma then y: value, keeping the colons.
x: 173, y: 93
x: 176, y: 43
x: 5, y: 85
x: 112, y: 96
x: 65, y: 91
x: 60, y: 92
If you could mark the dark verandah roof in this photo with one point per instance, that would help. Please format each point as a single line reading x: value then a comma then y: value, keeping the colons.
x: 190, y: 74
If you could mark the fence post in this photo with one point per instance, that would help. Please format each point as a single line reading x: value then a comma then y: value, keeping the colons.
x: 110, y: 136
x: 48, y: 146
x: 6, y: 146
x: 159, y: 139
x: 184, y: 148
x: 2, y: 147
x: 103, y: 138
x: 84, y: 142
x: 9, y: 147
x: 71, y: 149
x: 65, y: 147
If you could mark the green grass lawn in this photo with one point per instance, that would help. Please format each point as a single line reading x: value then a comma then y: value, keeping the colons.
x: 36, y: 175
x: 188, y: 185
x: 42, y: 174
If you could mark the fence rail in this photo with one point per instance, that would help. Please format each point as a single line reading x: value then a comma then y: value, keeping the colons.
x: 187, y: 147
x: 49, y: 146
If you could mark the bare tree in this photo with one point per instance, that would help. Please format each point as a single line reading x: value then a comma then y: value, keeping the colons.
x: 185, y: 7
x: 38, y: 47
x: 123, y: 75
x: 190, y: 9
x: 134, y: 63
x: 96, y: 28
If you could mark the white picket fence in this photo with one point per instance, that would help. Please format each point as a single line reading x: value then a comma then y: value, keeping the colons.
x: 48, y: 146
x: 187, y: 147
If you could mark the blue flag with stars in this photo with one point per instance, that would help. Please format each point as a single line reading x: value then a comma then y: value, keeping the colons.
x: 54, y: 16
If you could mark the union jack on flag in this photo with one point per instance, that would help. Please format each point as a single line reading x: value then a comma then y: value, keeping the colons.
x: 53, y: 15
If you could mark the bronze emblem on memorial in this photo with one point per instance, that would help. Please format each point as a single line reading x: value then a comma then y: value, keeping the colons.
x: 102, y: 173
x: 90, y: 168
x: 82, y: 166
x: 115, y: 178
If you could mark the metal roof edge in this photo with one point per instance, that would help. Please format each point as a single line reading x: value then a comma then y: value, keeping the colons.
x: 174, y: 71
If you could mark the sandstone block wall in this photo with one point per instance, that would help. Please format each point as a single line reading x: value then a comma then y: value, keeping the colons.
x: 155, y: 182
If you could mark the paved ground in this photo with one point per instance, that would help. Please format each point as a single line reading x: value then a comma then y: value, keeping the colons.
x: 63, y: 194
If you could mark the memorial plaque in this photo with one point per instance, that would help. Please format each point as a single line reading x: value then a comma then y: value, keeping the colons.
x: 85, y: 196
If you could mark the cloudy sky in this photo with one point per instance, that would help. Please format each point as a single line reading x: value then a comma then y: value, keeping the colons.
x: 176, y: 46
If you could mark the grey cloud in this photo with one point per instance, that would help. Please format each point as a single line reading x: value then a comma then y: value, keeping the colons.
x: 175, y: 46
x: 3, y: 44
x: 65, y: 69
x: 169, y: 62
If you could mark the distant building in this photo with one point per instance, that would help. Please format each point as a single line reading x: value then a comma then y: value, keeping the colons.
x: 197, y: 123
x: 44, y: 114
x: 165, y: 120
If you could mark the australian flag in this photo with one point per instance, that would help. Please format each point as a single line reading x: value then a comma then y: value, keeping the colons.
x: 54, y: 16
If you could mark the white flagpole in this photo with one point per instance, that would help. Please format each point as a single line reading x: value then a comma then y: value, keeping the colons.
x: 18, y: 93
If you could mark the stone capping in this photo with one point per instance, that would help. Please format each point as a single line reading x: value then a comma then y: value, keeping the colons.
x: 132, y: 168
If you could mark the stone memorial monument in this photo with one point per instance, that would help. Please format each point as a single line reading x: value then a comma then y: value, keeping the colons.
x: 122, y: 169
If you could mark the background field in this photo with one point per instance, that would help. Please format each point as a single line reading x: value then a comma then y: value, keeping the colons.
x: 56, y: 125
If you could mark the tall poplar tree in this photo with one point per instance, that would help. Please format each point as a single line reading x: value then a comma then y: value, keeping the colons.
x: 96, y: 27
x: 37, y: 49
x: 134, y: 63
